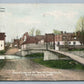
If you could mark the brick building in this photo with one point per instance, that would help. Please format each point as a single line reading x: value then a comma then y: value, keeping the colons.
x: 40, y: 39
x: 50, y: 40
x: 66, y: 39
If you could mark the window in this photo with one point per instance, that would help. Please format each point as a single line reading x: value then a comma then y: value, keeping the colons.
x: 74, y: 43
x: 1, y: 45
x: 58, y: 43
x: 69, y: 42
x: 74, y: 37
x: 64, y: 37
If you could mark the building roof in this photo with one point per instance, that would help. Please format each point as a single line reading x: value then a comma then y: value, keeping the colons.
x: 65, y: 37
x: 16, y: 40
x: 40, y: 37
x: 31, y: 39
x: 49, y: 37
x: 2, y: 36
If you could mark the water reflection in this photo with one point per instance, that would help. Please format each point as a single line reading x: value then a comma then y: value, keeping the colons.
x: 17, y: 57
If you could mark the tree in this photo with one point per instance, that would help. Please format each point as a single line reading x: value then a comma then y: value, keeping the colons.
x: 32, y: 32
x: 80, y: 24
x: 38, y: 32
x: 82, y: 37
x: 56, y: 32
x: 80, y: 29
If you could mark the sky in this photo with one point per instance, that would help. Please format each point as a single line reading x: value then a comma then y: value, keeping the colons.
x: 41, y: 1
x: 20, y: 18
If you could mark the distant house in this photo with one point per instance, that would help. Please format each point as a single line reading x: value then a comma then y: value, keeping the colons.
x: 2, y: 41
x: 26, y: 39
x: 40, y: 39
x: 16, y: 43
x: 66, y: 39
x: 50, y: 40
x: 32, y: 41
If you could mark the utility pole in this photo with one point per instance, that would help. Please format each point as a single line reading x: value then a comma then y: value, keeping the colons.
x: 46, y: 43
x: 54, y: 42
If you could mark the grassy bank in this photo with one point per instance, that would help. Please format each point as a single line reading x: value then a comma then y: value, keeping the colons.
x: 60, y: 64
x: 35, y: 55
x: 76, y: 49
x: 2, y: 63
x: 2, y: 52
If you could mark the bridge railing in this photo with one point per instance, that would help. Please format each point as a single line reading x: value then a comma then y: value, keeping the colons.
x: 35, y: 46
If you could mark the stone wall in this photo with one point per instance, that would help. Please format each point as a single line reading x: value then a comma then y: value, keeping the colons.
x: 50, y: 56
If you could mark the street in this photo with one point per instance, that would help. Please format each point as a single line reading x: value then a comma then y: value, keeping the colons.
x: 25, y: 69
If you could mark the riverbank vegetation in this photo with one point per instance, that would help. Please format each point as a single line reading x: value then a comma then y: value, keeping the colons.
x: 77, y: 49
x: 2, y: 63
x: 35, y: 55
x: 2, y: 52
x: 59, y: 64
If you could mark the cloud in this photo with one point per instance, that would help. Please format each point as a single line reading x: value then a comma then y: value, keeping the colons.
x: 5, y: 15
x: 27, y: 20
x: 18, y: 19
x: 61, y: 14
x: 9, y: 18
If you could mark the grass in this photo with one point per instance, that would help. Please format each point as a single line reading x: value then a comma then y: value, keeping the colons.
x: 35, y: 55
x: 60, y: 64
x: 2, y: 63
x: 76, y: 50
x: 2, y: 52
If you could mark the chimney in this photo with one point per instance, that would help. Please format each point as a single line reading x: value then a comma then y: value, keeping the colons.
x: 61, y: 32
x: 65, y: 32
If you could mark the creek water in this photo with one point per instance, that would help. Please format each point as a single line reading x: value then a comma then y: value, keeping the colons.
x: 16, y: 57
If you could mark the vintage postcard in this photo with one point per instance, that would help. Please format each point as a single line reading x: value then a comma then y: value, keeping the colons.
x: 41, y: 42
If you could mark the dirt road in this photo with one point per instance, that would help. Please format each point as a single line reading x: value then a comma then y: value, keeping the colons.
x: 25, y: 69
x: 11, y: 51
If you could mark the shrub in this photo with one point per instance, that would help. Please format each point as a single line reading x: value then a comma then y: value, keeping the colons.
x: 35, y: 55
x: 2, y: 52
x: 2, y: 63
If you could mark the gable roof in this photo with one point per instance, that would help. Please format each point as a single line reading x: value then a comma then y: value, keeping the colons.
x: 31, y: 39
x: 40, y: 37
x: 2, y: 36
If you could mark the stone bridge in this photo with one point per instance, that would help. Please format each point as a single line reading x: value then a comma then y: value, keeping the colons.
x: 50, y: 54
